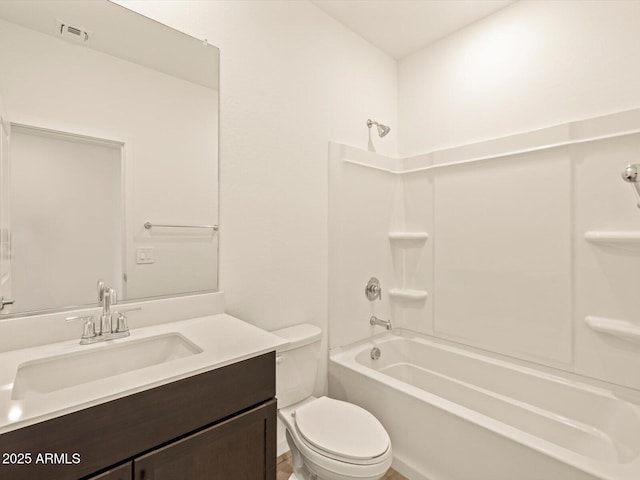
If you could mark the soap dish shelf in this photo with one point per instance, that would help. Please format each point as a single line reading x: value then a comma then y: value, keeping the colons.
x: 621, y: 238
x: 408, y: 295
x: 408, y: 236
x: 617, y: 328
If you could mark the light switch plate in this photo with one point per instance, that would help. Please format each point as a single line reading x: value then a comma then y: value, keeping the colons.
x: 144, y: 255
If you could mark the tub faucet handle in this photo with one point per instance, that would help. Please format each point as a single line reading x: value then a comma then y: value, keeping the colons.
x: 373, y: 290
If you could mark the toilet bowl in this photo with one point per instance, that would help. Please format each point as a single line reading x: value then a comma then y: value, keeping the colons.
x: 335, y: 440
x: 329, y: 439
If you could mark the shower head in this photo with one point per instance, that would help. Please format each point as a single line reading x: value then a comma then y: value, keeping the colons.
x: 382, y: 129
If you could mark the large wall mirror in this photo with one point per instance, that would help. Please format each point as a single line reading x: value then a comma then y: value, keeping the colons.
x: 108, y: 156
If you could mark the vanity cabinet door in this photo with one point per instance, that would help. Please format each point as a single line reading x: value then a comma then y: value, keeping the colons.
x: 241, y: 448
x: 121, y: 472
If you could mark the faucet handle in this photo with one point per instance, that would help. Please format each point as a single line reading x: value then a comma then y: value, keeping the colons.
x: 88, y: 329
x: 122, y: 323
x: 127, y: 310
x: 113, y: 296
x: 122, y: 319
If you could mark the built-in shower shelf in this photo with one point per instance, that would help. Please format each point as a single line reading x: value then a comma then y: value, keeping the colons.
x: 613, y: 237
x: 618, y: 328
x: 406, y: 294
x: 409, y: 236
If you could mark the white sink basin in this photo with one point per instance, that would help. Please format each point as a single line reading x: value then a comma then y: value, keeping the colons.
x: 100, y: 361
x: 47, y: 380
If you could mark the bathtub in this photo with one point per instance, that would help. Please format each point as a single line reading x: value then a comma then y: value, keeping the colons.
x: 455, y: 414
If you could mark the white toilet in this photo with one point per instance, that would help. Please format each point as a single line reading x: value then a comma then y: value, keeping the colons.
x: 329, y: 439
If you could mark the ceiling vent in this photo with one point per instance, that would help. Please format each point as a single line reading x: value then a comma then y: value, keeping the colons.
x: 71, y: 32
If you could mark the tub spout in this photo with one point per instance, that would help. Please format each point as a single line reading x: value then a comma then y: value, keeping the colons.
x: 381, y: 323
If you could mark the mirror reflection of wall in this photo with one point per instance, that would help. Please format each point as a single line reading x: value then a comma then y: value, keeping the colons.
x: 55, y: 178
x: 101, y: 144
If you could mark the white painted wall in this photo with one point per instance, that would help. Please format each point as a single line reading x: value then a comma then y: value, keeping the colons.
x: 291, y: 78
x: 528, y: 66
x: 57, y: 85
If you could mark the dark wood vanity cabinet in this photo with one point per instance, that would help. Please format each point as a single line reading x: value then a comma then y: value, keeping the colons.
x: 121, y: 472
x: 219, y: 424
x: 235, y: 449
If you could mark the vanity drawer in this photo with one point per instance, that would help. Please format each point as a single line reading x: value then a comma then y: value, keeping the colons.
x: 121, y: 429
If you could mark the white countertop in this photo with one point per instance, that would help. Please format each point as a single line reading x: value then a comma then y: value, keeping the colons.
x: 224, y: 340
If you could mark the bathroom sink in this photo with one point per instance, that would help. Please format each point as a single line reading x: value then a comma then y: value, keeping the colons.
x: 45, y: 380
x: 50, y: 374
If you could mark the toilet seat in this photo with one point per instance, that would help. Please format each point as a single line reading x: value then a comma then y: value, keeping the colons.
x: 342, y: 431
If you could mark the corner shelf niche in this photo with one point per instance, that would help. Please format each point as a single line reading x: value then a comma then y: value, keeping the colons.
x: 403, y: 241
x: 621, y: 238
x: 618, y: 328
x: 408, y: 295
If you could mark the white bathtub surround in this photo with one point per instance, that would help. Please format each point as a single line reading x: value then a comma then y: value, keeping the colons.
x: 522, y: 246
x: 502, y: 255
x: 457, y: 413
x: 365, y: 204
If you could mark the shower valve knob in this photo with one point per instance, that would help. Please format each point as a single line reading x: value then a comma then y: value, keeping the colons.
x: 373, y: 290
x: 630, y: 173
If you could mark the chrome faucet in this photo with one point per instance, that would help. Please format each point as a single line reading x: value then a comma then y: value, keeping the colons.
x: 108, y: 329
x: 108, y: 298
x: 381, y: 323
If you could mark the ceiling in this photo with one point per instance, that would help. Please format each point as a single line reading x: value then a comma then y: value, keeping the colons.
x: 400, y: 27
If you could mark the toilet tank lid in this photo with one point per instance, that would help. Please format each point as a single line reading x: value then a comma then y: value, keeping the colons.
x: 298, y: 336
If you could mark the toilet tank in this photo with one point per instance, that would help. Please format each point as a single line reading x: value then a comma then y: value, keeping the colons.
x: 297, y: 363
